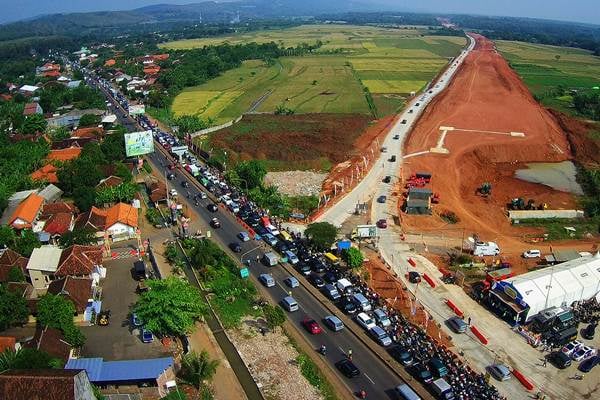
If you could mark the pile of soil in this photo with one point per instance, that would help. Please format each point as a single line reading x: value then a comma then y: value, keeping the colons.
x: 486, y: 95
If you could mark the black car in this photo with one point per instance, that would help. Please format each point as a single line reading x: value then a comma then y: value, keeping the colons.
x: 589, y: 331
x: 402, y: 355
x: 348, y: 306
x: 330, y: 277
x: 171, y: 176
x: 316, y: 280
x: 212, y: 207
x: 421, y: 372
x: 303, y: 268
x: 317, y: 265
x: 589, y: 364
x: 414, y: 277
x: 347, y: 368
x: 387, y: 179
x: 235, y: 247
x: 560, y: 359
x: 215, y: 223
x: 185, y: 184
x: 281, y: 247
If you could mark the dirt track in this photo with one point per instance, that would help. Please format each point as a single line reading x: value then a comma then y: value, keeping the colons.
x: 485, y: 95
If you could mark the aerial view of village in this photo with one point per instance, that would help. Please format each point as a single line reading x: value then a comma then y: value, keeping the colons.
x: 280, y: 200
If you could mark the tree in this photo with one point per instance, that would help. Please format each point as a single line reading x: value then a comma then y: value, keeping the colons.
x: 84, y: 197
x: 26, y: 242
x: 197, y: 369
x: 83, y: 236
x: 321, y: 235
x: 251, y: 173
x: 13, y: 308
x: 89, y: 120
x: 60, y: 133
x: 16, y: 275
x: 7, y: 236
x: 171, y: 306
x: 55, y: 311
x: 274, y: 315
x: 34, y: 123
x: 354, y: 257
x: 28, y: 358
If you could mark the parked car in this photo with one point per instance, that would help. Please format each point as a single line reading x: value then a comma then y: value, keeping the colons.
x: 316, y: 280
x: 235, y: 247
x: 311, y: 326
x: 589, y: 364
x: 532, y: 253
x: 571, y: 347
x: 457, y: 325
x: 334, y: 323
x: 135, y: 320
x: 421, y: 372
x: 402, y: 355
x: 414, y: 277
x: 303, y: 268
x: 499, y: 371
x: 396, y: 137
x: 387, y: 179
x: 365, y: 321
x: 347, y: 368
x: 382, y: 318
x: 147, y: 336
x: 348, y: 307
x: 380, y: 336
x: 381, y: 199
x: 560, y: 359
x: 291, y: 282
x: 267, y: 280
x: 243, y: 236
x: 583, y: 353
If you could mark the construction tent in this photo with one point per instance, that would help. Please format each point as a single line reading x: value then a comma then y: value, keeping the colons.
x: 559, y: 285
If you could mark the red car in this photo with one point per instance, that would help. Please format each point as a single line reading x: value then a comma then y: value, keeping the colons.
x: 312, y: 326
x: 382, y: 223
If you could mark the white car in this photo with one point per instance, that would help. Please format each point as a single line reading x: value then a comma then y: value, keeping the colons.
x: 173, y: 192
x: 583, y: 353
x: 571, y: 347
x: 532, y: 253
x: 365, y: 321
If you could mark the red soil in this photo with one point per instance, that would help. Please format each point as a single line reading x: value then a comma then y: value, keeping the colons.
x: 486, y: 95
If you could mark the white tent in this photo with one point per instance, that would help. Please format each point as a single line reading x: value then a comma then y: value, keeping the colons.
x: 560, y: 285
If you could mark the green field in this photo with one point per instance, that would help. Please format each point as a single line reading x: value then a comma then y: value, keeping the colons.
x: 391, y: 63
x: 545, y: 68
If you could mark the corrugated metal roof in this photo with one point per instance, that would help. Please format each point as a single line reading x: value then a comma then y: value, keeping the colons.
x: 119, y: 371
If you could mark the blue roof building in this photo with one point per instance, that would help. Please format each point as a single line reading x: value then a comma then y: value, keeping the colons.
x: 102, y: 372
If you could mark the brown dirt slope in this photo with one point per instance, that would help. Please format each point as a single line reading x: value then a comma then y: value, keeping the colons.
x: 485, y: 95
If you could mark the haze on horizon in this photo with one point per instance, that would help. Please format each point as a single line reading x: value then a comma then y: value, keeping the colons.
x: 586, y: 11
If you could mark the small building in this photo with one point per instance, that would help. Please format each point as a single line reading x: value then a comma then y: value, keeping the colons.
x: 26, y: 213
x: 110, y: 62
x: 109, y: 182
x: 561, y: 256
x: 28, y: 90
x: 150, y: 372
x: 63, y: 155
x: 71, y: 118
x: 94, y: 220
x: 48, y: 173
x: 51, y: 384
x: 79, y: 290
x: 58, y: 224
x: 32, y: 108
x: 418, y: 201
x: 52, y: 341
x: 10, y: 259
x: 121, y: 221
x: 50, y: 193
x: 42, y: 265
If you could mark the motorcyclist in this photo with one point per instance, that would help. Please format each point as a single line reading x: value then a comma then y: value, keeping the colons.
x: 323, y: 349
x: 362, y: 394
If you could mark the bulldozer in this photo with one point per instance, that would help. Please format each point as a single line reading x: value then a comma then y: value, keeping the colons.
x: 485, y: 189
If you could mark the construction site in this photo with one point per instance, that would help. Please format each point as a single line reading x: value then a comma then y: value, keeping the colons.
x: 471, y: 139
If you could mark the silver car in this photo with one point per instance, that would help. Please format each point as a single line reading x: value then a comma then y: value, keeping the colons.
x: 499, y: 371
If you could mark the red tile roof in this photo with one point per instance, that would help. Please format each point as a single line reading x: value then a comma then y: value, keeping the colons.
x: 47, y: 173
x: 79, y: 260
x: 78, y: 290
x: 58, y: 223
x: 51, y: 341
x: 51, y: 74
x: 123, y: 213
x: 39, y: 384
x: 160, y: 57
x: 64, y: 154
x: 91, y: 132
x: 95, y: 219
x: 58, y: 207
x: 109, y: 182
x: 110, y: 63
x: 151, y: 70
x: 7, y: 342
x: 10, y: 259
x: 27, y: 211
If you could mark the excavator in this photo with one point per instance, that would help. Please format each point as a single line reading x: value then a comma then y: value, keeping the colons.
x: 485, y: 189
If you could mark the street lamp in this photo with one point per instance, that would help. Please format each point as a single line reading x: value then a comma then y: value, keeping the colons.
x: 248, y: 252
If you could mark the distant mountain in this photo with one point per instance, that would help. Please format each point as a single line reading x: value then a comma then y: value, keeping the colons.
x: 77, y: 24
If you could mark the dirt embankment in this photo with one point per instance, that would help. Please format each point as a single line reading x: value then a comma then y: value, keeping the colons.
x: 485, y: 102
x: 584, y: 146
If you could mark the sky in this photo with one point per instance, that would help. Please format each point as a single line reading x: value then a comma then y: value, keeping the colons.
x: 568, y: 10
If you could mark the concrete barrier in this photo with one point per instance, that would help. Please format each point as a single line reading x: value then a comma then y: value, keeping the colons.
x: 412, y: 262
x: 479, y: 335
x: 544, y: 214
x: 454, y: 308
x: 429, y: 280
x: 523, y: 379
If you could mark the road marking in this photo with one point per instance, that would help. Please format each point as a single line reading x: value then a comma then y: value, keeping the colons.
x: 418, y: 153
x: 369, y: 378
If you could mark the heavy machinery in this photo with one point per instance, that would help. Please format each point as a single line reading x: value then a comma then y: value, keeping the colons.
x: 518, y: 203
x: 485, y: 189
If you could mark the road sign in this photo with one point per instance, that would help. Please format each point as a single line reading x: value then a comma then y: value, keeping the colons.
x: 244, y: 273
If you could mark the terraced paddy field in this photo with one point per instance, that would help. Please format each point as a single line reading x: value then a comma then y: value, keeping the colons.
x: 544, y: 68
x: 390, y: 63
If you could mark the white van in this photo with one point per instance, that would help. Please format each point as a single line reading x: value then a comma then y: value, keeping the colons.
x: 361, y: 302
x: 289, y: 304
x: 486, y: 249
x: 344, y: 285
x: 532, y: 253
x: 404, y: 392
x: 442, y: 389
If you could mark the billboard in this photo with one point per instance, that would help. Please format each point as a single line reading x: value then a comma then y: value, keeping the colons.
x: 364, y: 231
x: 136, y: 109
x: 138, y: 143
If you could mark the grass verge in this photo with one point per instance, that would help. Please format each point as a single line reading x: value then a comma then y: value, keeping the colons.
x: 555, y: 228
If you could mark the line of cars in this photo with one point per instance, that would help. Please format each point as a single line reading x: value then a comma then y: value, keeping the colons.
x: 578, y: 352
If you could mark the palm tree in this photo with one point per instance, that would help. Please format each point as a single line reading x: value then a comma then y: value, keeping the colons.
x: 196, y: 368
x: 8, y: 359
